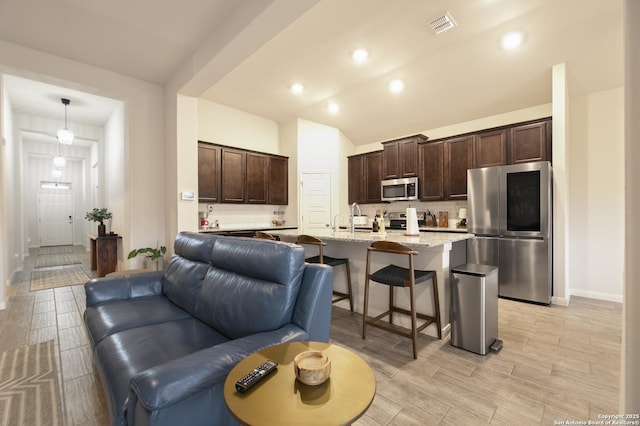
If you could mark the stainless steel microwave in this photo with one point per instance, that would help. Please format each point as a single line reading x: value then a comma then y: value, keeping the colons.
x: 404, y: 189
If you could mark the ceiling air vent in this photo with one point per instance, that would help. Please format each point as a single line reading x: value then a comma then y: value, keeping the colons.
x: 442, y: 24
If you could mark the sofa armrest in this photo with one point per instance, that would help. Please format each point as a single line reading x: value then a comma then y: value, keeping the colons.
x: 173, y: 381
x: 313, y: 307
x: 120, y: 287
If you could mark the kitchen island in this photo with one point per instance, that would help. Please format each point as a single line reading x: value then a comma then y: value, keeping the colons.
x: 437, y: 251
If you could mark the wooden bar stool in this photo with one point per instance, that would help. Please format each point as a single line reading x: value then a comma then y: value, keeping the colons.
x: 396, y: 276
x: 264, y: 236
x: 331, y: 261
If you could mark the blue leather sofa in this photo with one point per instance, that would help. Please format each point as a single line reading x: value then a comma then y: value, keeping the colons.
x: 164, y: 342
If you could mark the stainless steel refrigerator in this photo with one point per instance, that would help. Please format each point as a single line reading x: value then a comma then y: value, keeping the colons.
x: 510, y: 213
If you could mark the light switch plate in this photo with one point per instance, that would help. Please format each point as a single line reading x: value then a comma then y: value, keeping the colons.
x: 188, y: 195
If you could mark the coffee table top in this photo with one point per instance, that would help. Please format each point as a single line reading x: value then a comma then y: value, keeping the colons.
x: 280, y: 399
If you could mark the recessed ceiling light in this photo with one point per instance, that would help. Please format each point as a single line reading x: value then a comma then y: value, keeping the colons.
x: 333, y: 108
x: 360, y: 55
x: 297, y: 88
x: 511, y: 40
x: 396, y: 86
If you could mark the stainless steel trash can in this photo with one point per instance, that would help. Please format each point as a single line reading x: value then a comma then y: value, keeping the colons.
x: 474, y: 308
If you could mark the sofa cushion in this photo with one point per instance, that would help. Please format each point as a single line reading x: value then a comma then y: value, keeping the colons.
x: 186, y: 268
x: 250, y: 287
x: 107, y: 318
x: 124, y: 354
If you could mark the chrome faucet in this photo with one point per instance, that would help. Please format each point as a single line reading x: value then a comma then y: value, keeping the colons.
x: 335, y: 227
x: 353, y: 223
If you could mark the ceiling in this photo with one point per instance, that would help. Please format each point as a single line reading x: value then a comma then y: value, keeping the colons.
x: 456, y: 76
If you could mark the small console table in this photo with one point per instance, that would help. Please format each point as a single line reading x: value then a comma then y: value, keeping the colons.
x: 103, y: 252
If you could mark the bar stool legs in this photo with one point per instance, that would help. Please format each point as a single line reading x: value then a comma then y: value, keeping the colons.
x: 331, y: 261
x: 395, y: 276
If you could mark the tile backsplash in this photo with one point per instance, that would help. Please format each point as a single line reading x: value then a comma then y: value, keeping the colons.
x: 244, y: 216
x: 231, y: 216
x: 452, y: 207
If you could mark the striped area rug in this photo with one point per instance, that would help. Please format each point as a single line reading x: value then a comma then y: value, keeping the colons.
x: 57, y: 277
x: 49, y: 260
x: 29, y: 387
x: 54, y: 250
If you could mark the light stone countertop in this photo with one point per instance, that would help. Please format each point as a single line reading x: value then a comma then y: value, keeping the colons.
x: 424, y: 239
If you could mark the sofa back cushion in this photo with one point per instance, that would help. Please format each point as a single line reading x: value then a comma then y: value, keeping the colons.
x: 187, y: 268
x: 251, y: 286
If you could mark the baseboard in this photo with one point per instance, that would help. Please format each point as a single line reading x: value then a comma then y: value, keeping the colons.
x: 562, y: 301
x: 611, y: 297
x: 14, y: 273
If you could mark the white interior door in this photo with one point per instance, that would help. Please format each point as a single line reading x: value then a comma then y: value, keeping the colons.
x: 55, y: 218
x: 315, y: 200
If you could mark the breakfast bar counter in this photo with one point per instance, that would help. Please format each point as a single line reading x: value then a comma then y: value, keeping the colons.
x: 437, y: 251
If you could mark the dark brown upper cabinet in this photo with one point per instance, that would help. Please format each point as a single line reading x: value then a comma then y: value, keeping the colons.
x: 208, y: 173
x: 257, y: 178
x: 530, y: 142
x: 365, y: 175
x: 355, y: 170
x: 234, y: 175
x: 458, y: 158
x: 234, y: 168
x: 278, y: 180
x: 491, y: 148
x: 431, y: 176
x: 373, y: 177
x: 400, y: 157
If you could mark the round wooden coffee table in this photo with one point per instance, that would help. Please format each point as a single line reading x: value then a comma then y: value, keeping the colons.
x: 280, y: 399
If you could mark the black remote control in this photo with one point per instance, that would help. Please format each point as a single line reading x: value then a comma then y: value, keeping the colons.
x: 256, y: 375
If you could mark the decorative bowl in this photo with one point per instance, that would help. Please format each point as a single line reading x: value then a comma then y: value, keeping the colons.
x: 312, y: 367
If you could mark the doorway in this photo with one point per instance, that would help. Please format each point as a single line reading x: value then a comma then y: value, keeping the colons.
x: 55, y: 217
x: 315, y: 200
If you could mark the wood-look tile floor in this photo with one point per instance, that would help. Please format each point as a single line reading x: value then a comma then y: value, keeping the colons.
x: 557, y: 363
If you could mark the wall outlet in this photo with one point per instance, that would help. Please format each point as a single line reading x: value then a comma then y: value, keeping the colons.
x: 210, y: 208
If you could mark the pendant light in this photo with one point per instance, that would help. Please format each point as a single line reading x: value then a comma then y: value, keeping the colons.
x: 65, y: 135
x: 59, y: 161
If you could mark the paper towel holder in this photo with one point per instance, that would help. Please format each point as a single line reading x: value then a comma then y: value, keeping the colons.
x: 412, y: 222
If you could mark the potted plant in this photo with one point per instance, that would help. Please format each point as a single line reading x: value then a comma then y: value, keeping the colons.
x: 99, y: 215
x: 153, y: 255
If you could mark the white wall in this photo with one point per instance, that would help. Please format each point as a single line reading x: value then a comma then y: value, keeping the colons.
x: 38, y: 167
x: 223, y: 125
x: 228, y: 126
x: 561, y: 190
x: 318, y: 149
x: 596, y: 176
x: 5, y: 132
x: 143, y: 137
x: 630, y: 369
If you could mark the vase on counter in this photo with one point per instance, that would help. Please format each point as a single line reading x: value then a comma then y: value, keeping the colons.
x: 102, y: 230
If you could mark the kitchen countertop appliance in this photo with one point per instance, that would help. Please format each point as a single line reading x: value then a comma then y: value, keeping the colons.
x: 398, y: 220
x: 509, y: 210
